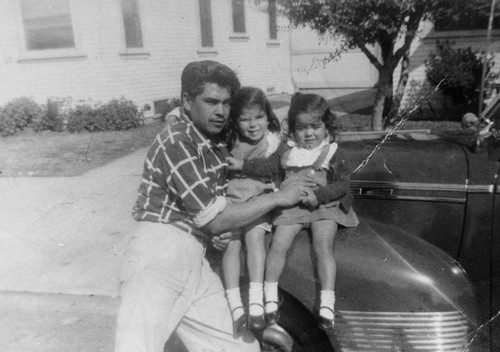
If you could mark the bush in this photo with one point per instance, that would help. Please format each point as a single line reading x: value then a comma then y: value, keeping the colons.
x: 83, y: 117
x: 459, y: 72
x: 57, y: 115
x: 7, y: 125
x: 18, y: 114
x: 118, y: 114
x: 53, y: 118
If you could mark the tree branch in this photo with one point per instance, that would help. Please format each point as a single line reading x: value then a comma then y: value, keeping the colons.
x: 373, y: 59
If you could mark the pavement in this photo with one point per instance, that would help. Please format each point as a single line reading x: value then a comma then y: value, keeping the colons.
x: 61, y: 244
x: 62, y: 239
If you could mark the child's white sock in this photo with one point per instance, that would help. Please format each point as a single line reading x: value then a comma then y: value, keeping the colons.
x: 327, y: 302
x: 271, y: 295
x: 235, y: 304
x: 255, y: 299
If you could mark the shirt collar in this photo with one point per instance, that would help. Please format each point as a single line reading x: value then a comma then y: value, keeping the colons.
x: 206, y: 141
x: 291, y: 143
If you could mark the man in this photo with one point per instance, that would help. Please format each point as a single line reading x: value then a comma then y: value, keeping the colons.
x: 167, y: 281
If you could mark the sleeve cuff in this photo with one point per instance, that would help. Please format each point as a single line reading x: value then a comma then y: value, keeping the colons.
x: 321, y: 195
x: 207, y: 215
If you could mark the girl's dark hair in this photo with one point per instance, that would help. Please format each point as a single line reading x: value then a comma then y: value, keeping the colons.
x: 249, y: 97
x: 313, y: 104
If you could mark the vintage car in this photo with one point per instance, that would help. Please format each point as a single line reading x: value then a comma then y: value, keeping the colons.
x: 421, y: 272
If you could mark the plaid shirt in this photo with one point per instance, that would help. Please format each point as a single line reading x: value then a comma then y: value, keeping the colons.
x: 184, y: 173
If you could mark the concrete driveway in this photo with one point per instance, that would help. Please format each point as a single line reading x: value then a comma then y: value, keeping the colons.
x: 61, y: 242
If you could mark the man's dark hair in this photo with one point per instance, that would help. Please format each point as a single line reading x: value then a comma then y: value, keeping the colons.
x: 196, y: 74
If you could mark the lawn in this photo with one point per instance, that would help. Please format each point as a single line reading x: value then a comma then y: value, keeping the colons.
x: 69, y: 154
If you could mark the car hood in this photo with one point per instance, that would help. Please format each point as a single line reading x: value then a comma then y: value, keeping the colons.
x: 382, y: 269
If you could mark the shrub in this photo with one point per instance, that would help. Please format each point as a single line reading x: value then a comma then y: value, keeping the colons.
x: 120, y: 114
x: 57, y: 115
x: 21, y: 112
x: 459, y: 71
x: 7, y: 125
x: 83, y: 117
x: 53, y: 118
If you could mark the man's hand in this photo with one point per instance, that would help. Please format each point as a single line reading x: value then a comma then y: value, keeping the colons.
x: 295, y: 190
x: 311, y: 200
x: 234, y: 164
x: 221, y: 241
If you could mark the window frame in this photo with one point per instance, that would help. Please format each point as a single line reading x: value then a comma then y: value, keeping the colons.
x: 50, y: 54
x: 137, y: 4
x: 235, y: 18
x: 204, y: 31
x: 273, y: 20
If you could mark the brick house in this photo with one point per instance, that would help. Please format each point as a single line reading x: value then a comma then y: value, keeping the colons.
x: 98, y: 50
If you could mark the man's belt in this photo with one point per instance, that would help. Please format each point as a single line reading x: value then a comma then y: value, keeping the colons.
x: 199, y: 235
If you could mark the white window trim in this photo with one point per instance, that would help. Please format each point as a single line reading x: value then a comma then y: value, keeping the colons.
x: 61, y: 54
x: 133, y: 53
x: 204, y: 50
x: 239, y: 35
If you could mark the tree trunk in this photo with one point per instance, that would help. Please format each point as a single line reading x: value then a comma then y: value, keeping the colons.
x: 384, y: 93
x: 378, y: 109
x: 392, y: 114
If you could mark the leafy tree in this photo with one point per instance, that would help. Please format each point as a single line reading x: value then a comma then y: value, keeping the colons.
x: 382, y: 29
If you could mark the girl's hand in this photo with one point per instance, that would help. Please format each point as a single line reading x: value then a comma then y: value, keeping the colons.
x: 222, y: 241
x: 234, y: 164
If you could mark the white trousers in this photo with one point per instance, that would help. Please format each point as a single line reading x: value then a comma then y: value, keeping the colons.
x: 168, y: 285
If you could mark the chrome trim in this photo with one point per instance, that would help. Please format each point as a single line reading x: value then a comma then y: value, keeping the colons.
x: 416, y: 186
x: 401, y: 331
x: 383, y: 133
x: 415, y: 198
x: 488, y: 189
x: 452, y: 187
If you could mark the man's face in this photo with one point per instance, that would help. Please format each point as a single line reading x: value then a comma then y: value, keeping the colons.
x: 209, y: 111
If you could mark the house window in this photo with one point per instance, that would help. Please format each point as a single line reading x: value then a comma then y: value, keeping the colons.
x: 207, y: 39
x: 239, y: 16
x: 47, y: 24
x: 273, y: 28
x: 132, y: 24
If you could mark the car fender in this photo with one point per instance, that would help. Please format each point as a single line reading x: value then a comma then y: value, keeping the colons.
x: 391, y: 288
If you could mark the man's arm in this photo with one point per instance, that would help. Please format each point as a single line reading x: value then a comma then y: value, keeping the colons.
x: 241, y: 214
x: 260, y: 167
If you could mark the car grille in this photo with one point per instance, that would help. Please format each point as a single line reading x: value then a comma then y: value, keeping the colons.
x: 398, y: 332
